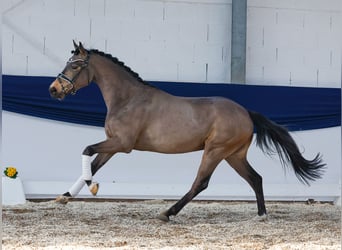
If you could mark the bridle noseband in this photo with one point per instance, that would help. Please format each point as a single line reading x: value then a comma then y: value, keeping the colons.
x: 62, y: 76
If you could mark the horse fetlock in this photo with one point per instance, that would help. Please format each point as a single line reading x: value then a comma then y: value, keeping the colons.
x: 62, y: 199
x: 94, y: 188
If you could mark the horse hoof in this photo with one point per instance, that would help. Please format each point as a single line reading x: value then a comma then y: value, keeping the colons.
x: 163, y: 217
x: 261, y: 218
x: 62, y: 199
x: 94, y: 188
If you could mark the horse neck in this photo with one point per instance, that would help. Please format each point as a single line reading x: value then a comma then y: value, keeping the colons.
x: 116, y: 84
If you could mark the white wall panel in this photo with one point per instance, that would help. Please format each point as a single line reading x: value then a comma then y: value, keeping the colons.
x: 66, y: 8
x: 304, y: 37
x: 120, y: 9
x: 218, y: 33
x: 283, y: 36
x: 152, y: 11
x: 181, y: 12
x: 137, y: 32
x: 21, y: 61
x: 49, y: 163
x: 192, y: 71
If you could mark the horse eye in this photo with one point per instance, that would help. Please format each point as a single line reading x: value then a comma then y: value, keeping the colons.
x: 74, y: 66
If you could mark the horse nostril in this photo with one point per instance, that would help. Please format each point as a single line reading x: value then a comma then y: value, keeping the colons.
x: 53, y: 91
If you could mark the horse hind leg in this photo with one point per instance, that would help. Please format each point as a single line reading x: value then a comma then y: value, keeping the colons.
x: 245, y: 170
x: 208, y: 164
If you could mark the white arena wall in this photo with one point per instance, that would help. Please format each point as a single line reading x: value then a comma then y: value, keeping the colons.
x: 290, y: 43
x: 48, y: 157
x: 295, y: 43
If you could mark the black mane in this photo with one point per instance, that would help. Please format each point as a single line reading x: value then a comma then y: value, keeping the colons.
x: 120, y: 63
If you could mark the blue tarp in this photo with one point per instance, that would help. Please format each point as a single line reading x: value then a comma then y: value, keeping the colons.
x: 297, y: 108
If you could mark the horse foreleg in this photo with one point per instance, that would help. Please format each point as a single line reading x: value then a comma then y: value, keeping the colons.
x: 207, y: 167
x: 107, y: 149
x: 87, y: 174
x: 74, y: 190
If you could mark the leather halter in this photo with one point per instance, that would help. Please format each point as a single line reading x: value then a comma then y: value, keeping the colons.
x: 71, y: 81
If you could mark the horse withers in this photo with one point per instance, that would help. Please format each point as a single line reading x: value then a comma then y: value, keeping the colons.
x: 142, y: 117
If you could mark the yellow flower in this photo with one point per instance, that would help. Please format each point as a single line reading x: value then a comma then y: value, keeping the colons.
x: 11, y: 172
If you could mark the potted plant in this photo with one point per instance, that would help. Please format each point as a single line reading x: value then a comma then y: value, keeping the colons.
x: 12, y: 187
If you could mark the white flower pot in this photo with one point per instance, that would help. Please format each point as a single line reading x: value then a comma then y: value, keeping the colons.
x: 12, y: 191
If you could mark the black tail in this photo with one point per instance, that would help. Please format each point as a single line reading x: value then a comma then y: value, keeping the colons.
x: 270, y: 136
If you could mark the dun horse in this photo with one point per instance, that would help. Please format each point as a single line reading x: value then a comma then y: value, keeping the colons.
x: 142, y: 117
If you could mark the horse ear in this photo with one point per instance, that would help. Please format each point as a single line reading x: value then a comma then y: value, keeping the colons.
x: 75, y: 45
x: 82, y: 49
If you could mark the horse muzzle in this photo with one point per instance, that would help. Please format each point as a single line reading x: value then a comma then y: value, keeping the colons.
x: 56, y: 90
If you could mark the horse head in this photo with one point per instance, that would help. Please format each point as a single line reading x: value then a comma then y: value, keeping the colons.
x: 74, y: 76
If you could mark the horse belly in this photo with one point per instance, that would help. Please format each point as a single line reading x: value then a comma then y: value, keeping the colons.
x: 171, y: 141
x: 171, y: 147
